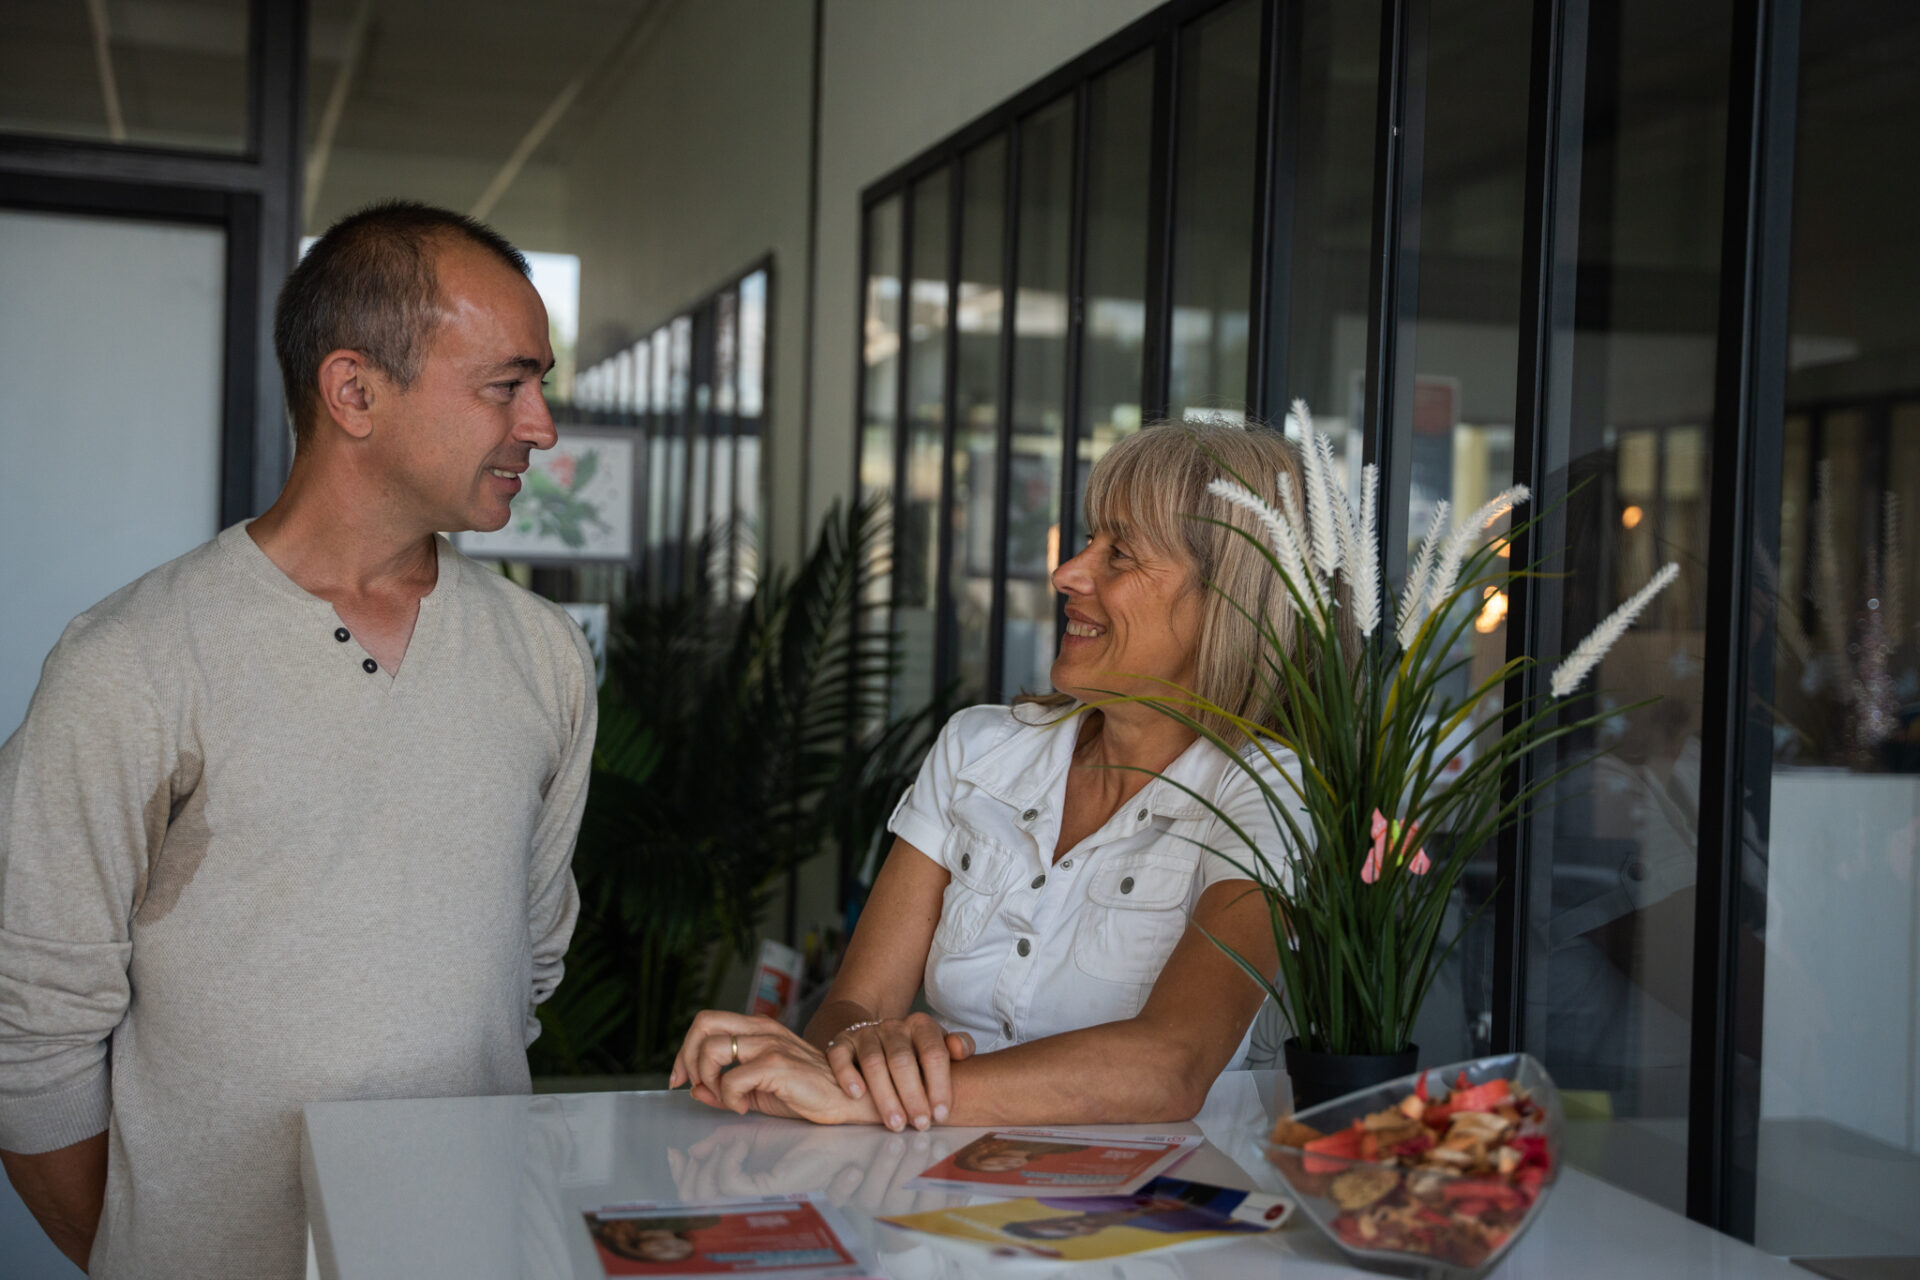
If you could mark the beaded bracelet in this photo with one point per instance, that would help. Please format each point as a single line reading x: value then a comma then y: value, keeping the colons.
x: 858, y: 1026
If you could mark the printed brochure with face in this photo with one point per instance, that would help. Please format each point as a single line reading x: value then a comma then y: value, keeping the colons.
x: 797, y: 1237
x: 1057, y: 1162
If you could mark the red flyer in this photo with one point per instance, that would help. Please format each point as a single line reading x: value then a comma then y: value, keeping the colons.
x: 793, y: 1237
x: 1057, y: 1162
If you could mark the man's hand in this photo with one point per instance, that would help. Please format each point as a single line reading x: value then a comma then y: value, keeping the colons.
x: 902, y: 1064
x: 65, y: 1191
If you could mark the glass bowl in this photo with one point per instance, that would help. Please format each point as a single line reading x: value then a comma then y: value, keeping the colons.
x: 1434, y: 1221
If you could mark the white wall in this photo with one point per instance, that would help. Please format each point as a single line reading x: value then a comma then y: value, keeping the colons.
x: 111, y: 423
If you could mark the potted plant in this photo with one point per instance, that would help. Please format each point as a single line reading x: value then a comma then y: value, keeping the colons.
x: 1357, y: 681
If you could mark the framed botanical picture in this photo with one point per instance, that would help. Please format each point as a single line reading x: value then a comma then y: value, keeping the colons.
x: 576, y: 503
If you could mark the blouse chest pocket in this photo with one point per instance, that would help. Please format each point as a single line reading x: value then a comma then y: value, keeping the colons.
x: 1137, y: 910
x: 979, y: 870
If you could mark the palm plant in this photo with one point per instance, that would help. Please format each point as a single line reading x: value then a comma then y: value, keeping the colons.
x: 734, y: 743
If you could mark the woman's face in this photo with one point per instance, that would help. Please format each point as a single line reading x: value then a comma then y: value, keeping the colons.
x: 1133, y: 609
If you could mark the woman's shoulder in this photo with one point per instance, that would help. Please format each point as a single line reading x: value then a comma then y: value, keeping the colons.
x: 985, y: 727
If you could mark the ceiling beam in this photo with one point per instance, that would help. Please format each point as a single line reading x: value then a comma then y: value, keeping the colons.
x: 342, y: 86
x: 646, y: 16
x: 528, y: 145
x: 103, y: 60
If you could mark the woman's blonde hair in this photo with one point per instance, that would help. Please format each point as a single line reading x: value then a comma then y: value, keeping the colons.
x: 1152, y: 487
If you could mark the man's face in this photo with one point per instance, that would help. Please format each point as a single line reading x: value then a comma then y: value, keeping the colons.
x: 450, y: 449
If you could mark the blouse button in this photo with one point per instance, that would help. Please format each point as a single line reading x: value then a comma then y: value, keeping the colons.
x: 1126, y: 886
x: 1039, y: 880
x: 370, y: 666
x: 1140, y: 816
x: 1029, y: 815
x: 966, y: 862
x: 342, y: 634
x: 1025, y: 946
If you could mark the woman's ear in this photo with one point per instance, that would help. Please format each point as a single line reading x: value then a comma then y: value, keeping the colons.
x: 347, y: 392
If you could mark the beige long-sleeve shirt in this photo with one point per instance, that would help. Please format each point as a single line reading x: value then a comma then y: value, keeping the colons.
x: 242, y: 868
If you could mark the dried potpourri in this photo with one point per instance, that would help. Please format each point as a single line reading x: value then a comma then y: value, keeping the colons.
x: 1448, y: 1180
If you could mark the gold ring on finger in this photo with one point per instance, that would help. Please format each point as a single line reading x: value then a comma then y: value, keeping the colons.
x: 736, y: 1050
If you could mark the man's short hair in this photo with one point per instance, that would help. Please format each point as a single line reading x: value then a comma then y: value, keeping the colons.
x: 369, y: 285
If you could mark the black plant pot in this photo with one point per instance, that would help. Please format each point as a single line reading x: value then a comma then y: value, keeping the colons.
x: 1321, y: 1077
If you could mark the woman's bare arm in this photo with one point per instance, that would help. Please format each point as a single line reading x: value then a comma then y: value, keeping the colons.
x: 1152, y: 1068
x: 903, y: 1061
x: 887, y: 955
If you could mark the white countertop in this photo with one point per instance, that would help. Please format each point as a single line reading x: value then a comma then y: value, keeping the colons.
x: 495, y: 1187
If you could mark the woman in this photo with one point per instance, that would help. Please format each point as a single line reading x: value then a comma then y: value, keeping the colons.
x: 1054, y: 895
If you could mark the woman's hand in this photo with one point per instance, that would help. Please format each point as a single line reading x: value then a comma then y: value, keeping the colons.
x: 901, y: 1064
x: 744, y: 1063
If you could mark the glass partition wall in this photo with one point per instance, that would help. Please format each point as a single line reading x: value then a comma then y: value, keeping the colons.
x: 693, y: 393
x: 1639, y: 257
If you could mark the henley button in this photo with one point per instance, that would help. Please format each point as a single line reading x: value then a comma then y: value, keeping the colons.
x: 1039, y: 880
x: 370, y: 666
x: 1126, y: 886
x: 966, y: 862
x: 342, y: 634
x: 1029, y: 815
x: 1025, y: 946
x: 1067, y: 865
x: 1006, y: 1030
x: 1140, y: 816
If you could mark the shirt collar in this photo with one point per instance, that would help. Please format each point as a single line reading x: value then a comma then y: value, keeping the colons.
x: 1024, y: 771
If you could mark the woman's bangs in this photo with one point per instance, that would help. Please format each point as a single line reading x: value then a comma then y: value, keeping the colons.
x: 1129, y: 497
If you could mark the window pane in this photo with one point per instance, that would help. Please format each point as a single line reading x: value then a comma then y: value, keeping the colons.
x: 751, y: 398
x: 1455, y: 386
x: 979, y: 310
x: 880, y: 389
x: 1113, y: 337
x: 1039, y: 395
x: 662, y: 480
x: 917, y: 521
x: 726, y: 371
x: 679, y: 425
x: 1615, y: 853
x: 1213, y: 209
x: 167, y: 75
x: 1839, y: 1071
x: 1326, y: 280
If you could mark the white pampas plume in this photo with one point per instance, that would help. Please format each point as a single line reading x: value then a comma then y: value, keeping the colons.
x: 1343, y: 521
x: 1363, y: 554
x: 1464, y: 536
x: 1414, y: 593
x: 1326, y: 538
x: 1283, y: 533
x: 1297, y: 569
x: 1579, y: 664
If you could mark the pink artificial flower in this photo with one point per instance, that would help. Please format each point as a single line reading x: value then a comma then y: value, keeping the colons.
x: 1382, y: 832
x: 560, y: 467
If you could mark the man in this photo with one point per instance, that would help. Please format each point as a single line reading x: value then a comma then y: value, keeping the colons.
x: 290, y: 818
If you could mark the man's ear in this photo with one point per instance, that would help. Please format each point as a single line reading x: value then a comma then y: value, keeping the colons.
x: 347, y: 390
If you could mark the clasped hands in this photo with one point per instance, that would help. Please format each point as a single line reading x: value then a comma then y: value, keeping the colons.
x: 893, y: 1072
